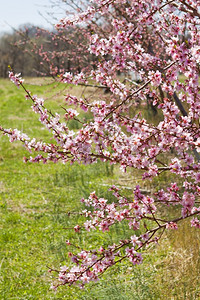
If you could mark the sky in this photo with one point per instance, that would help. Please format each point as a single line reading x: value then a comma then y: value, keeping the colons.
x: 14, y: 13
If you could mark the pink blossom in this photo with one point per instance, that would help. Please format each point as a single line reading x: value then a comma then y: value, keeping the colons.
x: 171, y: 225
x: 195, y: 223
x: 71, y: 113
x: 155, y: 78
x: 15, y: 78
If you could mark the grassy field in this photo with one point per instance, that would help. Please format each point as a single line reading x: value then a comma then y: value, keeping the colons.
x: 35, y: 200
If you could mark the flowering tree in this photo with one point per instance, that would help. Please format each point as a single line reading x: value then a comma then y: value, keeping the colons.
x: 160, y: 42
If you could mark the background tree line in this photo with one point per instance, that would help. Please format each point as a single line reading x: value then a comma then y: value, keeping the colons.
x: 33, y: 51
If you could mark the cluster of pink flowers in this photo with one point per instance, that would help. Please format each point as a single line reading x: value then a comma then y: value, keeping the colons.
x: 16, y: 78
x: 76, y: 79
x: 150, y: 39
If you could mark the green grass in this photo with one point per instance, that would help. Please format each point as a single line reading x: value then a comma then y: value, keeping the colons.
x: 35, y: 201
